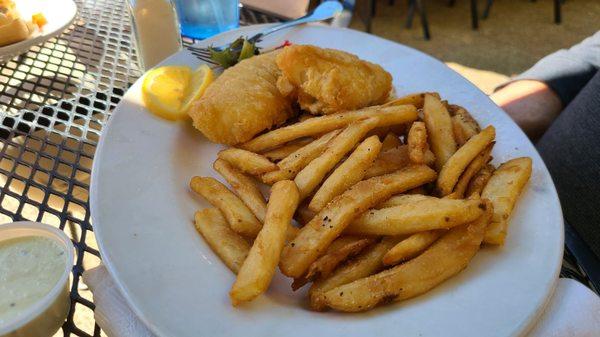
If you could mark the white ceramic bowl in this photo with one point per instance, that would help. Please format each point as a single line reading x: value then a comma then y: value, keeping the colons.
x: 47, y: 315
x: 59, y: 13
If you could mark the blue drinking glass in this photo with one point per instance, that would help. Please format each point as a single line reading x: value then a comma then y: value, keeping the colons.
x: 200, y: 19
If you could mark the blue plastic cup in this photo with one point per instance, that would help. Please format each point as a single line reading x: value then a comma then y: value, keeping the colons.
x: 200, y: 19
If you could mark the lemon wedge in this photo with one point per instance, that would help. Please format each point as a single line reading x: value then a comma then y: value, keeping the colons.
x: 201, y: 79
x: 164, y: 89
x: 169, y: 91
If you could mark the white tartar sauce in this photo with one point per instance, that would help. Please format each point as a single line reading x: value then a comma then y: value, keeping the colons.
x: 30, y: 267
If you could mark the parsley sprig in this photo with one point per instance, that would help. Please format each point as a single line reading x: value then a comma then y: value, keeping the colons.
x: 239, y: 50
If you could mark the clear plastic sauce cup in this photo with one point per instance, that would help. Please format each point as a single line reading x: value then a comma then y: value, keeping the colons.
x: 35, y: 264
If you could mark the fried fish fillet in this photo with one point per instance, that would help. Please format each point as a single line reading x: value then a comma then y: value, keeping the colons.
x: 242, y: 102
x: 326, y: 81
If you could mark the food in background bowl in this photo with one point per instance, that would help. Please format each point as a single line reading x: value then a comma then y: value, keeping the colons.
x: 15, y: 29
x: 8, y: 8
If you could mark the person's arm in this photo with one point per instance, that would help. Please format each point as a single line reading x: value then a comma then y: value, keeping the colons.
x: 533, y: 105
x: 534, y: 98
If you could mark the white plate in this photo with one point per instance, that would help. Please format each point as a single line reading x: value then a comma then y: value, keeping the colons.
x: 59, y: 13
x: 142, y: 213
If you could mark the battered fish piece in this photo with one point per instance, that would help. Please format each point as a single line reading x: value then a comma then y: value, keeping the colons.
x: 242, y: 102
x: 325, y: 81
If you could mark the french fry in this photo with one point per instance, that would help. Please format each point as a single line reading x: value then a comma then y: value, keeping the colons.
x: 249, y: 162
x: 363, y: 265
x: 244, y: 187
x: 479, y: 181
x: 415, y: 99
x: 439, y: 127
x: 453, y: 195
x: 283, y: 151
x: 291, y: 233
x: 445, y: 258
x: 455, y: 110
x: 351, y: 171
x: 418, y: 216
x: 304, y: 214
x: 411, y: 246
x: 389, y: 115
x: 417, y: 190
x: 379, y: 132
x: 456, y: 164
x: 403, y: 199
x: 272, y: 177
x: 305, y: 116
x: 239, y: 216
x: 390, y: 141
x: 330, y: 222
x: 464, y: 125
x: 503, y: 189
x: 417, y: 143
x: 339, y: 251
x: 312, y: 175
x: 231, y: 247
x: 292, y: 164
x: 429, y: 158
x: 259, y: 267
x: 388, y: 162
x: 347, y: 246
x: 471, y: 170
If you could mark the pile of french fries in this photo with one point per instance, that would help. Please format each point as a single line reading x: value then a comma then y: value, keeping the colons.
x: 370, y: 206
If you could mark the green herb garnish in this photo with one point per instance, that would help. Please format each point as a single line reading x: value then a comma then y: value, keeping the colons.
x: 239, y: 50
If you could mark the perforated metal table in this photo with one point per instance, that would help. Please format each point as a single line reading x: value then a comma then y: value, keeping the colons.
x: 54, y: 102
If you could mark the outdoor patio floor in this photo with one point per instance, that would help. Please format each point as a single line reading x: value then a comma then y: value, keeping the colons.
x: 513, y: 38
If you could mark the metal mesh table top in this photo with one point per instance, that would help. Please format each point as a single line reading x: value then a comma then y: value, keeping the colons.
x: 54, y: 102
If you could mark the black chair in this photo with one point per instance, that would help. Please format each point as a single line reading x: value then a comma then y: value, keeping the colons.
x: 557, y: 10
x: 414, y: 7
x: 419, y: 7
x: 365, y: 16
x: 474, y: 12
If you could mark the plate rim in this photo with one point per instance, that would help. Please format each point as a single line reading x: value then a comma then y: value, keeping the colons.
x: 159, y: 332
